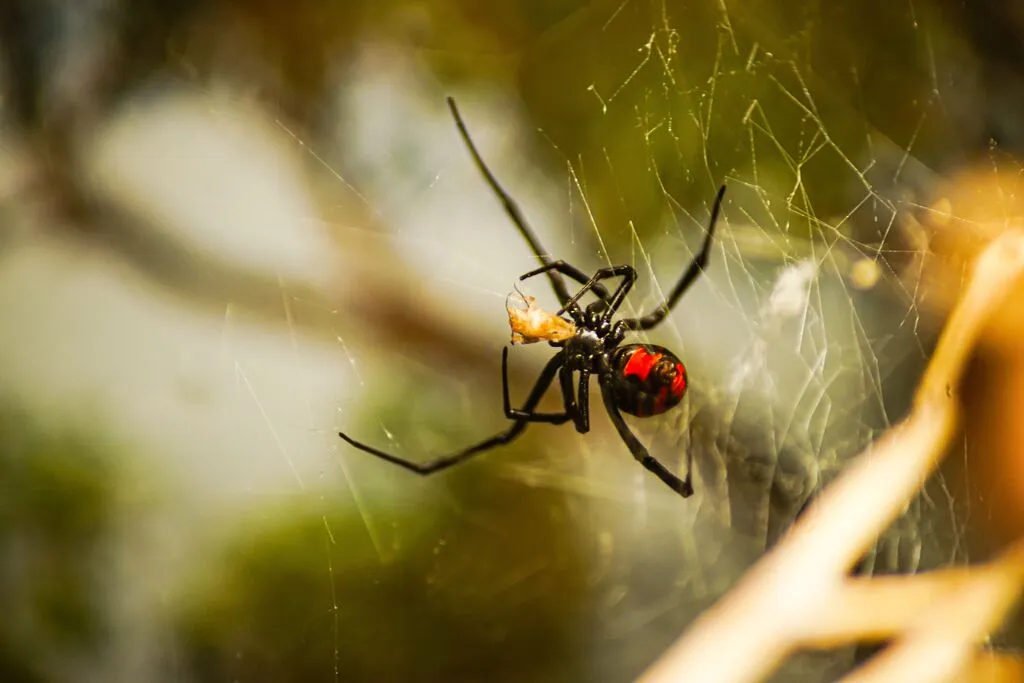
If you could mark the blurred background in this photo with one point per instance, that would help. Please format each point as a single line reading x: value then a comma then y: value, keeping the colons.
x: 231, y: 228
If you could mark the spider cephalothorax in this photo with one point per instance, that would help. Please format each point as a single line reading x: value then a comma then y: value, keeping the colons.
x: 638, y: 379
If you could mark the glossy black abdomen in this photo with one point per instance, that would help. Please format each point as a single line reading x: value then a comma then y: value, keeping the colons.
x: 647, y: 379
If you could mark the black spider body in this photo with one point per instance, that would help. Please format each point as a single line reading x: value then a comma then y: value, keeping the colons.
x: 638, y: 379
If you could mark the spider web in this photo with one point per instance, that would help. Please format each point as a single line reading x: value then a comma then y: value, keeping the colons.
x: 558, y: 557
x: 802, y: 340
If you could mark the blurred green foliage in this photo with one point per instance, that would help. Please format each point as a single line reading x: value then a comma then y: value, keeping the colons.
x: 58, y: 493
x: 488, y: 588
x: 654, y: 103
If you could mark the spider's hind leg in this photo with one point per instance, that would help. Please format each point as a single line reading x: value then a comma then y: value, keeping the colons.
x: 689, y: 276
x: 683, y: 487
x: 525, y: 413
x: 547, y: 375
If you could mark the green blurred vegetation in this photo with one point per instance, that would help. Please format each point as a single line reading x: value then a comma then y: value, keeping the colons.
x: 490, y: 587
x: 58, y: 508
x: 652, y: 102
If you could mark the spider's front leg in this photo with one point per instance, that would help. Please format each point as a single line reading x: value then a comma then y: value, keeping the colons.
x: 552, y: 268
x: 571, y: 271
x: 683, y: 487
x: 628, y: 275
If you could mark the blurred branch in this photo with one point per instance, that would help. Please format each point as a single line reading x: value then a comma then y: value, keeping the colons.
x: 776, y: 608
x: 940, y: 641
x: 373, y: 294
x: 879, y: 607
x: 64, y: 67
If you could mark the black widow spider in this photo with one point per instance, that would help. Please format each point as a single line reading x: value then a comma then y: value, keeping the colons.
x: 639, y: 379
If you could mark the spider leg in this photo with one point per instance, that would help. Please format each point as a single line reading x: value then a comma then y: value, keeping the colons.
x: 502, y: 438
x: 683, y: 487
x: 628, y: 275
x: 510, y: 206
x: 696, y: 267
x: 528, y: 415
x: 580, y: 410
x: 572, y: 271
x: 583, y: 411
